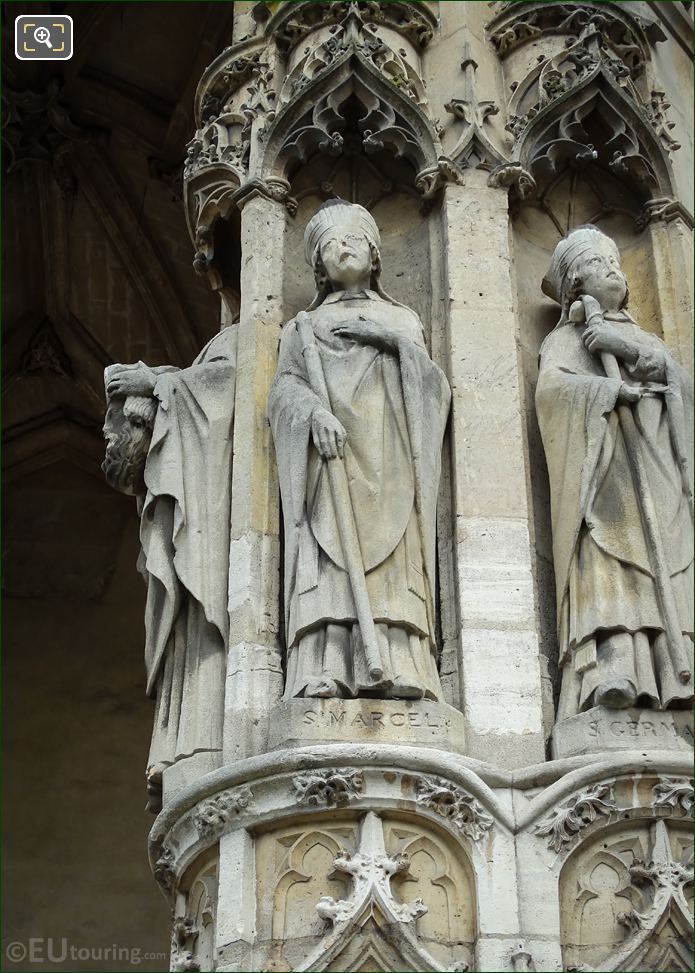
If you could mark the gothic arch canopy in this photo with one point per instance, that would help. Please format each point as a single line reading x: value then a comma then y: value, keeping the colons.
x: 562, y: 132
x: 316, y: 119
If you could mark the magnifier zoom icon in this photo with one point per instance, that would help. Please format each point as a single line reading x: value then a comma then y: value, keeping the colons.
x: 42, y: 35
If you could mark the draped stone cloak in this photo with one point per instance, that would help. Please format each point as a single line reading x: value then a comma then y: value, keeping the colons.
x: 394, y: 409
x: 604, y: 579
x: 184, y: 534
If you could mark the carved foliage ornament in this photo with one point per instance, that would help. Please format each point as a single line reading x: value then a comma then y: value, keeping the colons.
x: 524, y: 22
x: 294, y: 22
x: 370, y: 869
x: 351, y: 35
x: 463, y: 810
x: 565, y: 823
x: 328, y: 788
x: 211, y: 817
x: 674, y: 794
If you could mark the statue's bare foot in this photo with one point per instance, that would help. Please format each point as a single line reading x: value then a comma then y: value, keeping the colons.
x: 618, y: 694
x: 322, y: 687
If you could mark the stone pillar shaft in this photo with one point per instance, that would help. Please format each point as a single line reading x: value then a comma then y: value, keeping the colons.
x: 254, y: 671
x: 498, y: 643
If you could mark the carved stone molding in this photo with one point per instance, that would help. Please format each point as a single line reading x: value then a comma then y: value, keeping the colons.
x: 430, y: 180
x: 163, y: 870
x: 328, y: 788
x: 663, y: 209
x: 474, y: 150
x: 565, y: 823
x: 463, y: 810
x: 192, y: 935
x: 623, y: 900
x: 212, y: 816
x: 370, y: 870
x: 559, y: 114
x: 522, y: 960
x: 316, y: 120
x: 294, y: 22
x: 352, y: 34
x: 517, y: 23
x: 512, y: 175
x: 674, y: 794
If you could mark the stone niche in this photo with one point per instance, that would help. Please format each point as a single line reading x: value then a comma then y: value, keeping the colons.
x: 323, y: 881
x: 626, y: 899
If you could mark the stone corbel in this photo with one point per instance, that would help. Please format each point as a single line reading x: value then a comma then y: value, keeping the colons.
x: 272, y: 187
x: 514, y: 177
x: 663, y: 209
x: 431, y: 179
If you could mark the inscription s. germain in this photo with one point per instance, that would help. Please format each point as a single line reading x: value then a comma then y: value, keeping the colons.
x: 641, y: 729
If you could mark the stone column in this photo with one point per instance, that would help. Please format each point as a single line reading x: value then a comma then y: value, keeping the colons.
x: 254, y: 669
x: 498, y: 641
x: 672, y: 246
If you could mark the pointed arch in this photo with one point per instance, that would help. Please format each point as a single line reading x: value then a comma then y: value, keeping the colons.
x: 315, y: 120
x: 596, y: 121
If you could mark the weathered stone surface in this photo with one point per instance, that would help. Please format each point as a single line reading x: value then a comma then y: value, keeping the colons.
x: 299, y: 722
x: 358, y: 411
x: 615, y: 412
x: 602, y: 729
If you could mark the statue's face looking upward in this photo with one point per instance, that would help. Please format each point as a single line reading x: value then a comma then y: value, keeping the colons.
x: 598, y: 274
x: 347, y: 258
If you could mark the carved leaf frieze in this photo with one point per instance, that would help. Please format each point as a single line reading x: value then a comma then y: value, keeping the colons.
x: 565, y: 823
x: 164, y: 872
x: 211, y: 817
x: 328, y: 788
x: 517, y: 23
x: 462, y: 809
x: 411, y: 20
x: 674, y: 794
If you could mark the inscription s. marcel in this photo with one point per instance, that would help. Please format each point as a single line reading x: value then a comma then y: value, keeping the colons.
x: 374, y: 719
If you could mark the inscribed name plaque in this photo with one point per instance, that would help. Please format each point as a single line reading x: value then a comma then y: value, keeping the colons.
x: 601, y: 729
x: 303, y: 721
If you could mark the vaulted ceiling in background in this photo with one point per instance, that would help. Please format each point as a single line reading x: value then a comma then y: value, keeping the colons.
x: 98, y: 262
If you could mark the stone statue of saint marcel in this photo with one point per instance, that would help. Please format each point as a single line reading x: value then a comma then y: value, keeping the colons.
x: 358, y: 411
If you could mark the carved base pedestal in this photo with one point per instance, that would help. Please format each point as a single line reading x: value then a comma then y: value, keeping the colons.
x: 601, y: 729
x: 348, y: 856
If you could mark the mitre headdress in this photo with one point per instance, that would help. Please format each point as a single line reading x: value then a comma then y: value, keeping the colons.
x: 338, y: 212
x: 576, y: 243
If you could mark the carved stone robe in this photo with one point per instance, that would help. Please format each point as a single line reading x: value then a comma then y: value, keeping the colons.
x: 394, y: 409
x: 184, y: 534
x: 609, y: 620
